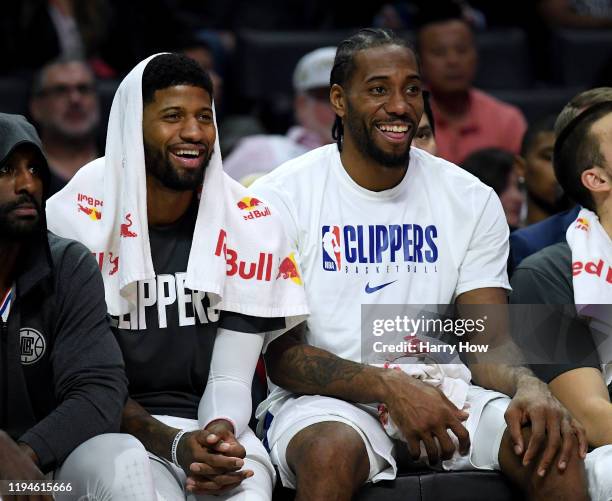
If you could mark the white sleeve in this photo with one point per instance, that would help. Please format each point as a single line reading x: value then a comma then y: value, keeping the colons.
x: 486, y: 259
x: 228, y: 390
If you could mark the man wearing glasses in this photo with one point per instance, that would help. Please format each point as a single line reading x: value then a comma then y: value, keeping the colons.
x: 65, y: 107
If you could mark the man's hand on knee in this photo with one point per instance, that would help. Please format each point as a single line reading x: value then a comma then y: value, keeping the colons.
x: 553, y: 430
x: 423, y: 414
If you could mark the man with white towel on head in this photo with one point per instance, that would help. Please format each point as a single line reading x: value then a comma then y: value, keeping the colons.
x: 198, y: 278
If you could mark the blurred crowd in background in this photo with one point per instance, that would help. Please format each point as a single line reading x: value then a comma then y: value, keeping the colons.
x: 496, y: 74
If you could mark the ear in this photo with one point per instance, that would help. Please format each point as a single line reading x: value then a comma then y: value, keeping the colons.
x: 336, y: 97
x: 597, y: 180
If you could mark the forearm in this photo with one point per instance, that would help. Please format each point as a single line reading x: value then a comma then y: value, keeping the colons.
x: 308, y: 370
x: 86, y: 411
x: 506, y: 379
x: 154, y: 435
x: 228, y: 391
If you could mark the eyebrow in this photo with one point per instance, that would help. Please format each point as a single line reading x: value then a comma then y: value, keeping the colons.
x: 179, y: 108
x: 387, y: 77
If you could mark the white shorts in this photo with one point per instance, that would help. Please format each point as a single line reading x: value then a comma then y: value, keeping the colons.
x: 486, y: 425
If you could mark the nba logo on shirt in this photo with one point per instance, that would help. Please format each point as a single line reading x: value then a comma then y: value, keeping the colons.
x: 331, y: 248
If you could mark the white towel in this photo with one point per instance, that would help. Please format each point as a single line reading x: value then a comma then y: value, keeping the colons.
x: 592, y: 279
x: 239, y: 254
x: 453, y: 379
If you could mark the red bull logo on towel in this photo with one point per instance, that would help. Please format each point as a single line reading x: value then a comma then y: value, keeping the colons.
x: 261, y: 269
x: 582, y: 224
x: 89, y: 206
x: 288, y: 269
x: 254, y: 208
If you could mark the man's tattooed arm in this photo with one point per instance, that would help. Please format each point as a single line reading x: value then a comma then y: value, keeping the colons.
x: 307, y: 370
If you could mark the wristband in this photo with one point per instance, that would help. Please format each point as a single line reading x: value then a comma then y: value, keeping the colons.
x: 175, y: 443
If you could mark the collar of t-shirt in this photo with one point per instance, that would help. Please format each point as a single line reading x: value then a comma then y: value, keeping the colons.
x: 346, y: 180
x: 5, y: 304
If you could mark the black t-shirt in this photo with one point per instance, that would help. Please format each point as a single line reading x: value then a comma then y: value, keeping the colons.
x: 167, y: 343
x: 545, y: 278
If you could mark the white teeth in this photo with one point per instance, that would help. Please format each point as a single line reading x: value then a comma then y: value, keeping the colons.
x: 393, y: 128
x: 191, y: 153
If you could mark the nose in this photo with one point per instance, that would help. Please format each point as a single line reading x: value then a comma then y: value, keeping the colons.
x: 192, y: 130
x: 397, y: 103
x: 25, y: 181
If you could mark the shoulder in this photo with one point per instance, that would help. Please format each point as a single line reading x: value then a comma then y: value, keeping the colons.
x: 545, y: 277
x: 295, y: 171
x: 555, y: 258
x: 68, y: 256
x: 539, y: 235
x: 446, y: 176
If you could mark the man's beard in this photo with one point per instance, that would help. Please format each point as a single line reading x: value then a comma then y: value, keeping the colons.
x: 162, y: 169
x: 366, y: 145
x: 17, y: 230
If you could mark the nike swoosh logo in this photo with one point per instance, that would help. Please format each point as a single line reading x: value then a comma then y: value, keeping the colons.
x: 370, y: 290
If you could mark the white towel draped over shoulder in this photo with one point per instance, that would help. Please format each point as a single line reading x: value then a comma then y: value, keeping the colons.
x: 239, y: 254
x: 592, y: 279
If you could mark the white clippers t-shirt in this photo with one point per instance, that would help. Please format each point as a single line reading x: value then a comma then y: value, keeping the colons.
x: 438, y: 234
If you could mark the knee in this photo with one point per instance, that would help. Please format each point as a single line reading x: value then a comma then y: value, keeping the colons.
x: 111, y: 449
x: 558, y: 484
x: 316, y: 449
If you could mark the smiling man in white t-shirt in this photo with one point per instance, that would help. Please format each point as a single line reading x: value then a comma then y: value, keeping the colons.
x: 377, y: 223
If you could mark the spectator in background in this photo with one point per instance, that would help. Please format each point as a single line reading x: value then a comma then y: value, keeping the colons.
x: 501, y: 171
x: 545, y: 196
x: 203, y: 54
x: 531, y: 239
x: 425, y: 135
x: 65, y: 107
x: 581, y: 14
x: 467, y: 119
x: 257, y: 155
x: 35, y: 32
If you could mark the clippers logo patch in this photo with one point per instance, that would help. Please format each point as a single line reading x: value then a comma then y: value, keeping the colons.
x: 32, y: 344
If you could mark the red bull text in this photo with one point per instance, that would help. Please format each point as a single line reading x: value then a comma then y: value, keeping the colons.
x: 259, y: 270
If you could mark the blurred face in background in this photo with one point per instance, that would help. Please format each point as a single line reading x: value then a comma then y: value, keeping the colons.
x: 512, y: 198
x: 424, y: 138
x: 314, y: 112
x: 205, y: 58
x: 67, y: 104
x: 448, y: 56
x: 540, y: 179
